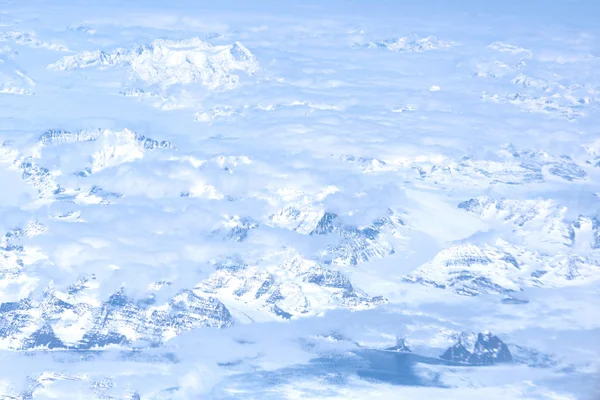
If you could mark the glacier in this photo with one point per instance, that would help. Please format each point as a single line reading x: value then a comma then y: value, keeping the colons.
x: 299, y: 200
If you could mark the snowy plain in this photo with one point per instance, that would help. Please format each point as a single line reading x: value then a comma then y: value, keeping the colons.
x: 222, y: 200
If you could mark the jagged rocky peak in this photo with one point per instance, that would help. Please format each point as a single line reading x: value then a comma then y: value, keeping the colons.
x: 37, y: 176
x: 328, y: 223
x: 33, y: 228
x: 119, y: 321
x: 285, y: 284
x: 43, y: 337
x: 328, y: 278
x: 239, y: 228
x: 489, y: 349
x: 106, y: 149
x: 486, y: 349
x: 400, y: 346
x: 457, y: 353
x: 520, y: 212
x: 358, y: 244
x: 241, y: 53
x: 194, y: 310
x: 80, y: 284
x: 562, y: 166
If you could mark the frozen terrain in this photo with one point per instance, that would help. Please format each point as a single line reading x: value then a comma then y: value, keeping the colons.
x: 273, y: 200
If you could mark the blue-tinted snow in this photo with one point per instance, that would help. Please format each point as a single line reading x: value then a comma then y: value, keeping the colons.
x: 294, y: 199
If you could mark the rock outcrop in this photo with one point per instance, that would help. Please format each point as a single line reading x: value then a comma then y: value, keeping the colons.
x: 487, y: 349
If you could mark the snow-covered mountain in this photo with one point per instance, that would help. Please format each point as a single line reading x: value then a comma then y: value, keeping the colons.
x: 170, y: 62
x: 470, y: 270
x: 486, y: 349
x: 298, y: 200
x: 412, y: 44
x: 61, y: 320
x: 546, y: 249
x: 286, y: 285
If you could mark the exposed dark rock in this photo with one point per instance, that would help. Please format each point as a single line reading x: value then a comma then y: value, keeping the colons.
x: 469, y: 205
x: 513, y: 300
x: 567, y: 170
x: 265, y: 286
x: 457, y: 353
x: 325, y: 277
x: 43, y: 337
x: 239, y: 233
x: 280, y: 313
x: 87, y: 171
x: 327, y: 224
x: 488, y: 349
x: 400, y: 346
x: 95, y: 339
x: 13, y: 317
x: 509, y: 258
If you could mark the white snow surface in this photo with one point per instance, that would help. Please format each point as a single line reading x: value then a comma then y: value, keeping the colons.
x: 169, y: 62
x: 275, y: 200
